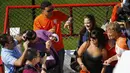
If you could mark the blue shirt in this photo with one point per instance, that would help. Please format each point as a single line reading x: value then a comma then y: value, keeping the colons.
x: 9, y: 57
x: 84, y: 38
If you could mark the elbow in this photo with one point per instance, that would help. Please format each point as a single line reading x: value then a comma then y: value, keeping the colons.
x: 18, y: 63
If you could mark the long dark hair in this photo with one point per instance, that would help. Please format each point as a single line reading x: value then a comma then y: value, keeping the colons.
x: 100, y: 36
x: 92, y: 20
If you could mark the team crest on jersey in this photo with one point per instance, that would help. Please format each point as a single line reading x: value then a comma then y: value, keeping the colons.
x: 55, y: 21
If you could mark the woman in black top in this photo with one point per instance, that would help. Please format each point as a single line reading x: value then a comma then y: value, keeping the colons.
x: 92, y: 52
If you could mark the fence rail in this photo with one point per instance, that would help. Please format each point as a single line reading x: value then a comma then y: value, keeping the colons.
x: 6, y: 25
x: 21, y: 16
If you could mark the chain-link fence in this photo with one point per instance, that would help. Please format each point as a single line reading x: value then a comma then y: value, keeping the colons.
x: 4, y: 3
x: 23, y: 17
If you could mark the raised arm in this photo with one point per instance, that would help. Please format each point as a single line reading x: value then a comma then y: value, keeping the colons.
x: 20, y: 61
x: 19, y: 38
x: 68, y: 22
x: 43, y: 64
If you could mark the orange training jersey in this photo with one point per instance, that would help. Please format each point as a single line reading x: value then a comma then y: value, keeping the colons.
x: 114, y: 12
x: 41, y: 22
x: 121, y: 45
x: 121, y: 42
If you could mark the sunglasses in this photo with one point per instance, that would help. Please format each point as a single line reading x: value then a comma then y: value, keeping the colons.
x: 94, y: 38
x: 50, y: 10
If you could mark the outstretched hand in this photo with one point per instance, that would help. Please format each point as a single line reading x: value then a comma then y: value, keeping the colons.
x: 68, y: 23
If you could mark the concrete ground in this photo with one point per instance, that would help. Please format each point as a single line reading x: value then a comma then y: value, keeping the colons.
x: 68, y: 55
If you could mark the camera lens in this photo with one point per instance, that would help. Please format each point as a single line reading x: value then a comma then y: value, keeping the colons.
x: 128, y: 18
x: 42, y: 54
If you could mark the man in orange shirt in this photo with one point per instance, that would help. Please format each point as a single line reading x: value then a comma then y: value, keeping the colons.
x: 114, y: 15
x: 50, y: 20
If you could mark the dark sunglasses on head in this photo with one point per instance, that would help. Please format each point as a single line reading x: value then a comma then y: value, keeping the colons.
x: 50, y: 10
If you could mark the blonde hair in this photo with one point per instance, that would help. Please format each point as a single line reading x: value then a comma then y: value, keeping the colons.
x: 114, y: 26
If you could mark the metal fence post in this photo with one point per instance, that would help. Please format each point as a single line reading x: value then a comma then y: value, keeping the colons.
x: 33, y: 10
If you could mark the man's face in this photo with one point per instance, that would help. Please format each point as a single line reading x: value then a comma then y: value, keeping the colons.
x: 37, y: 59
x: 48, y: 11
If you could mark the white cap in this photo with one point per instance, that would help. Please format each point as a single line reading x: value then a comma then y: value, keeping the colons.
x: 56, y: 36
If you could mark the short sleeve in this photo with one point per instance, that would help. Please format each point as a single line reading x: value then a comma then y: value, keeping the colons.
x: 36, y: 25
x: 47, y: 33
x: 114, y: 12
x: 8, y: 59
x: 122, y: 43
x: 121, y: 46
x: 60, y: 15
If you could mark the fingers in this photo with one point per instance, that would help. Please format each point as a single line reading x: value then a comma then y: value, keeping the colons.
x: 48, y: 44
x: 68, y: 27
x: 44, y: 58
x: 54, y: 37
x: 106, y: 62
x: 25, y: 44
x: 24, y: 37
x: 70, y: 19
x: 67, y: 23
x: 65, y: 26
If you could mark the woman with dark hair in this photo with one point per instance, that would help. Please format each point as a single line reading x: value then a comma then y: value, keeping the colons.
x: 92, y: 52
x: 89, y: 25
